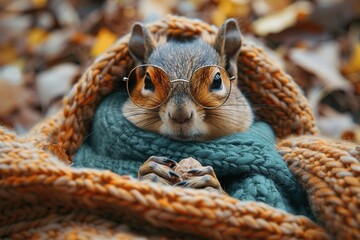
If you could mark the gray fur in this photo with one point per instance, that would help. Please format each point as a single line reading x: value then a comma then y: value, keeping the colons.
x: 181, y: 59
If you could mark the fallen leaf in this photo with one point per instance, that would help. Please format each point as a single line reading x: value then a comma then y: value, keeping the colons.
x: 333, y: 16
x: 8, y: 53
x: 152, y: 10
x: 14, y: 25
x: 11, y: 74
x: 276, y: 22
x: 55, y: 82
x: 334, y: 124
x: 65, y: 13
x: 104, y: 40
x: 353, y: 65
x: 55, y: 43
x: 352, y: 135
x: 230, y: 9
x: 25, y: 118
x: 13, y: 94
x: 323, y: 63
x: 354, y: 78
x: 39, y: 3
x: 305, y: 79
x: 19, y: 5
x: 36, y: 36
x: 265, y: 7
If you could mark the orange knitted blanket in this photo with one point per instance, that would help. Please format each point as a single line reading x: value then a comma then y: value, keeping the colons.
x: 43, y: 197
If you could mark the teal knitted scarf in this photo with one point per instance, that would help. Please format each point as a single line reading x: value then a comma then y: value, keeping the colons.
x: 246, y: 164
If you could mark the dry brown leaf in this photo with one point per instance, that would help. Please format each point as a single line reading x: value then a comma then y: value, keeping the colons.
x: 13, y: 93
x: 19, y: 5
x: 323, y: 63
x: 152, y: 10
x: 276, y: 22
x: 55, y: 82
x: 19, y: 110
x: 8, y: 54
x: 14, y: 24
x: 55, y: 43
x: 334, y: 15
x: 332, y: 123
x: 65, y: 13
x: 352, y: 135
x: 26, y: 118
x: 12, y: 74
x: 264, y: 7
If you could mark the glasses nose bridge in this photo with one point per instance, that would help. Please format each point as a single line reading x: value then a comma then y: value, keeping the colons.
x: 179, y: 80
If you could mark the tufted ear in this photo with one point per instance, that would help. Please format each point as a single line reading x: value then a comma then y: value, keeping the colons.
x: 141, y: 43
x: 228, y: 41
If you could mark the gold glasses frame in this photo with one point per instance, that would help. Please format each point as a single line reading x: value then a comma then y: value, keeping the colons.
x: 126, y: 79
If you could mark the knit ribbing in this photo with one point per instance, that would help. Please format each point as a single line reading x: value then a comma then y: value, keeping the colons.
x: 247, y: 164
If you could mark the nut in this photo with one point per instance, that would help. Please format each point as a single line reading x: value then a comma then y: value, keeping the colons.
x: 185, y: 165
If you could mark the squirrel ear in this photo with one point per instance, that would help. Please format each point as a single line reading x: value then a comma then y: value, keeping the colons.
x: 228, y: 40
x: 141, y: 43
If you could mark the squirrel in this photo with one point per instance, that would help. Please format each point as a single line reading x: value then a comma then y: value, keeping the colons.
x: 189, y: 65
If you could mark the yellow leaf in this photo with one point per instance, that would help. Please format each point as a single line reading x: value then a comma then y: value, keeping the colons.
x: 353, y: 65
x: 39, y: 3
x: 357, y: 134
x: 104, y: 40
x: 218, y: 17
x: 36, y: 36
x: 8, y: 54
x: 229, y: 9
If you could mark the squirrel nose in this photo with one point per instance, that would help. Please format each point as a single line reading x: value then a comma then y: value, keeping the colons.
x: 181, y: 116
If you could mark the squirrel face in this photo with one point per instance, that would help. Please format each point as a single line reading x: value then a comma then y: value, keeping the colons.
x: 180, y: 116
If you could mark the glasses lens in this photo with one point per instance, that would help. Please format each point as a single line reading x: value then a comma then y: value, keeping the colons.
x: 210, y: 86
x: 148, y: 86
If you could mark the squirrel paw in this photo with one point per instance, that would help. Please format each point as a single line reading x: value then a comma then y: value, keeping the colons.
x: 160, y: 170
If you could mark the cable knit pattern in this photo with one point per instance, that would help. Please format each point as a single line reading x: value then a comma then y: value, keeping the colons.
x: 43, y: 198
x: 247, y: 164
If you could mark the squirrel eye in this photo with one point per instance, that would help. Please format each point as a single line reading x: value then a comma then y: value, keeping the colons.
x: 148, y: 83
x: 216, y: 83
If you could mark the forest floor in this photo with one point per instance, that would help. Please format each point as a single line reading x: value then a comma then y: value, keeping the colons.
x: 45, y: 45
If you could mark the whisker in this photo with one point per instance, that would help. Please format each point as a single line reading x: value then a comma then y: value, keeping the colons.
x: 221, y: 128
x: 157, y: 122
x: 240, y: 114
x: 148, y: 121
x: 227, y: 120
x: 139, y: 114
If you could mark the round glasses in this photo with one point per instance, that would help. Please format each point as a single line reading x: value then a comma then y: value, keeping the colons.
x: 150, y: 86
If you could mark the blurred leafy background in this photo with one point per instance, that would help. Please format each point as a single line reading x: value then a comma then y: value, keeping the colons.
x: 45, y: 45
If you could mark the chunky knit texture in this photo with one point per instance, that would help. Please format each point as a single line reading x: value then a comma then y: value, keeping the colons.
x: 43, y: 198
x: 247, y: 164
